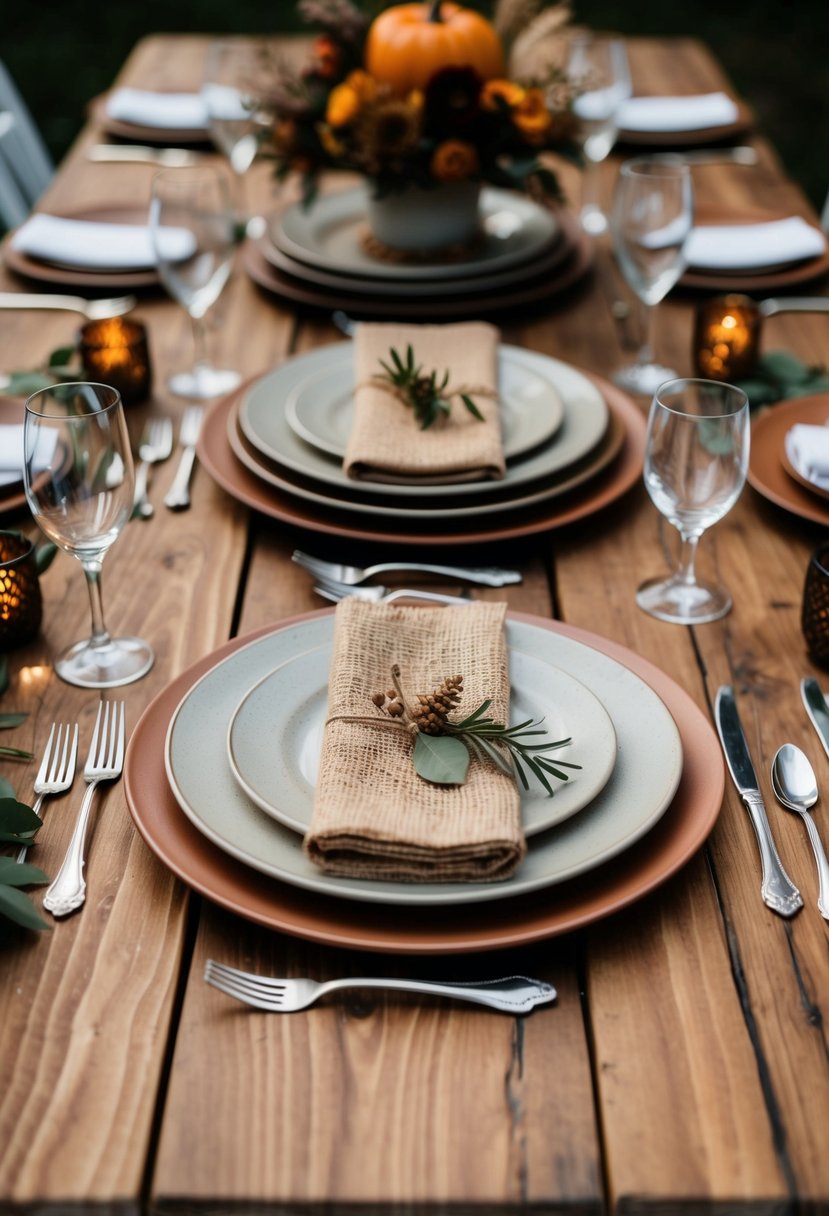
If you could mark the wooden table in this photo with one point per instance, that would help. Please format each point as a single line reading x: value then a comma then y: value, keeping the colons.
x: 685, y: 1065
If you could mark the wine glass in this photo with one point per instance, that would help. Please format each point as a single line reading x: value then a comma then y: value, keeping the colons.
x: 232, y: 94
x: 79, y: 481
x: 696, y: 458
x: 597, y: 67
x: 192, y: 230
x: 652, y: 217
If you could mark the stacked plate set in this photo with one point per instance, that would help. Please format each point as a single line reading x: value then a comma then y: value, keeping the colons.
x: 319, y: 256
x: 573, y: 443
x: 228, y: 816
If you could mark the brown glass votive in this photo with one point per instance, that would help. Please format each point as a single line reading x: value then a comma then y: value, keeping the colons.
x: 814, y: 617
x: 115, y: 352
x: 726, y: 338
x: 21, y: 607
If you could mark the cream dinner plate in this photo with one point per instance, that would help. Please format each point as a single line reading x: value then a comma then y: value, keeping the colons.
x: 320, y: 408
x: 329, y: 234
x: 281, y: 777
x: 640, y: 787
x: 264, y: 423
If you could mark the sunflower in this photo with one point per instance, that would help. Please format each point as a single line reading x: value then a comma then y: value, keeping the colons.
x: 388, y: 130
x: 498, y: 93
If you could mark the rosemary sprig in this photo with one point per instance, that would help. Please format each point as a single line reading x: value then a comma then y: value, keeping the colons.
x: 480, y: 734
x: 427, y: 397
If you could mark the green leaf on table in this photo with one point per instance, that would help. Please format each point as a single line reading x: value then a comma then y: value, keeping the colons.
x: 7, y: 721
x: 17, y: 819
x: 19, y: 908
x: 785, y: 367
x: 16, y: 753
x: 23, y: 384
x: 13, y: 874
x: 62, y: 357
x: 45, y: 555
x: 759, y: 392
x: 440, y: 759
x: 6, y: 789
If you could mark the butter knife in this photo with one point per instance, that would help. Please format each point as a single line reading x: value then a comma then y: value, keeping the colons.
x: 816, y: 708
x: 776, y: 888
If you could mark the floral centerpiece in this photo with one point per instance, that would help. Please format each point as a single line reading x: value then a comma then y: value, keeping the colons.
x: 416, y: 99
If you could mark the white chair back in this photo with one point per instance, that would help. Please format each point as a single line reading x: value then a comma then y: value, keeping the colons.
x: 25, y: 165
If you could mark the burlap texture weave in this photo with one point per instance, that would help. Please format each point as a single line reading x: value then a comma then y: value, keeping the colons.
x: 374, y: 817
x: 386, y: 441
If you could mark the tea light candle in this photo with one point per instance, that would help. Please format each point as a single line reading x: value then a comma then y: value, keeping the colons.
x: 21, y: 606
x: 726, y: 337
x: 115, y: 352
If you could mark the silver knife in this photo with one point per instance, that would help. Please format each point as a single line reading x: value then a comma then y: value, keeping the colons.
x: 816, y: 708
x: 776, y: 888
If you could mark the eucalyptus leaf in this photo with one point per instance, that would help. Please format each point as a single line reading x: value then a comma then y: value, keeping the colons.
x: 7, y: 789
x: 45, y: 555
x: 62, y: 357
x: 785, y: 367
x: 7, y: 721
x: 23, y: 875
x: 16, y: 817
x: 23, y: 384
x: 19, y: 908
x: 440, y: 759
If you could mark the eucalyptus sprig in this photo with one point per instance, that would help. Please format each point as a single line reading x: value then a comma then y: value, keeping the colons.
x: 18, y: 825
x: 427, y: 397
x: 443, y: 747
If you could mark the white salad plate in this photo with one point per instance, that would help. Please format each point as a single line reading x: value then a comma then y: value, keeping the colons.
x: 280, y: 777
x: 639, y: 789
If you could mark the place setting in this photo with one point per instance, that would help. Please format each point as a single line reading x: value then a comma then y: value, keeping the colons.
x: 753, y: 250
x: 284, y: 839
x: 681, y: 120
x: 329, y: 441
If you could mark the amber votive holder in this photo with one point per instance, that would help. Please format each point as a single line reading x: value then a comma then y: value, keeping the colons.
x: 726, y: 338
x: 21, y: 605
x: 814, y: 616
x: 115, y: 352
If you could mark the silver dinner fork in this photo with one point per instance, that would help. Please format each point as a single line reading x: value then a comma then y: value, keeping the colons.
x: 335, y: 592
x: 93, y: 310
x: 104, y: 763
x: 515, y: 994
x: 57, y: 769
x: 177, y: 497
x: 487, y: 576
x: 156, y: 445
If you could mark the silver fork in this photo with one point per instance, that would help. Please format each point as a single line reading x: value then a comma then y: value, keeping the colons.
x: 104, y: 763
x: 156, y: 445
x: 515, y: 994
x: 330, y: 590
x: 178, y: 496
x: 57, y: 770
x: 93, y: 310
x: 486, y: 576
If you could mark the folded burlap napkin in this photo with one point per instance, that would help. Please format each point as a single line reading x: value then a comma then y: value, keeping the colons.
x: 386, y: 442
x: 374, y: 817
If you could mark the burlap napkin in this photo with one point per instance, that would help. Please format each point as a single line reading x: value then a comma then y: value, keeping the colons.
x: 374, y: 817
x: 386, y: 442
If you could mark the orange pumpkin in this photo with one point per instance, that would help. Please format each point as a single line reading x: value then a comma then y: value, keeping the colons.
x: 408, y: 43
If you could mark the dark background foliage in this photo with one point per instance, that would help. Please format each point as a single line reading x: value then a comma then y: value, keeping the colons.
x: 776, y: 53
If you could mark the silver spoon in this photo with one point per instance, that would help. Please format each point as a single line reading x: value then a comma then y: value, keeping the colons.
x: 795, y: 785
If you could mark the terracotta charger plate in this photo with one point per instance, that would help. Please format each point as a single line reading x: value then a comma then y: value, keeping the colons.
x: 772, y: 278
x: 216, y: 456
x: 464, y: 928
x: 12, y: 413
x: 519, y: 293
x: 139, y: 133
x: 686, y: 139
x: 768, y: 470
x: 64, y: 276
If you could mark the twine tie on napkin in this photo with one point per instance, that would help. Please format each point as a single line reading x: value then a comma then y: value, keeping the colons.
x: 386, y: 442
x: 374, y: 817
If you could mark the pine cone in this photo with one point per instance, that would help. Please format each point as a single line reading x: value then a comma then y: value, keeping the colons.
x: 432, y: 709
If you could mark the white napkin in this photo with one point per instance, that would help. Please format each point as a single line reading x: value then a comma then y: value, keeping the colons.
x: 807, y: 447
x: 88, y: 245
x: 693, y: 113
x: 185, y: 111
x: 11, y: 455
x: 225, y: 103
x: 748, y: 246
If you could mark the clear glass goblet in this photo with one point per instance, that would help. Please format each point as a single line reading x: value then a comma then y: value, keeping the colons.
x: 651, y: 219
x: 696, y: 459
x: 232, y: 91
x: 79, y: 480
x: 192, y: 230
x: 597, y: 66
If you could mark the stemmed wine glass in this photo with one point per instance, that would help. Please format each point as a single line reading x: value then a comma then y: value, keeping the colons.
x: 652, y: 217
x: 696, y: 458
x: 232, y: 94
x: 597, y: 67
x: 192, y: 230
x: 79, y: 480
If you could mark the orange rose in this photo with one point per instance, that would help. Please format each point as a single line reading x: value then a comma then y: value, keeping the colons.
x: 531, y: 117
x: 495, y: 92
x: 454, y: 161
x: 343, y: 106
